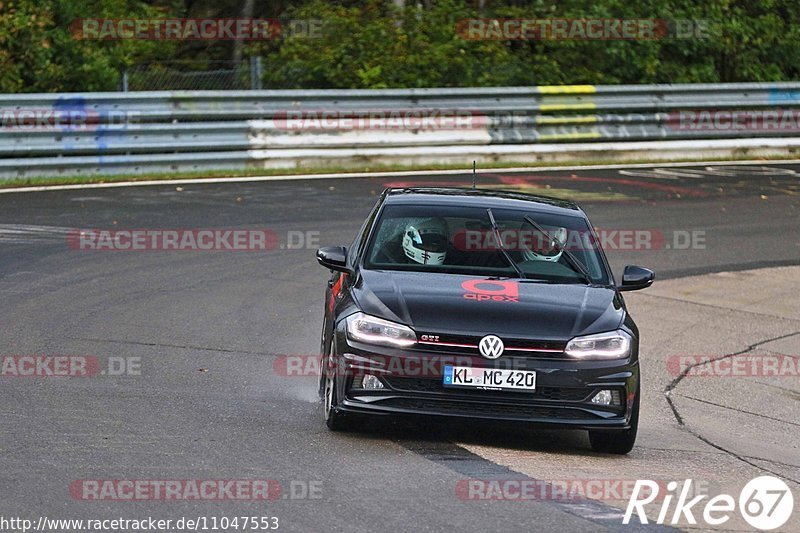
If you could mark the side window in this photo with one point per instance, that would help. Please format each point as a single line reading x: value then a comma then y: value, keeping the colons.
x: 361, y: 239
x: 352, y: 252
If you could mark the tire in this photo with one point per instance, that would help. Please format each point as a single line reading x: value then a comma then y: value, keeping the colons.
x: 334, y: 419
x: 323, y: 350
x: 321, y: 389
x: 617, y: 442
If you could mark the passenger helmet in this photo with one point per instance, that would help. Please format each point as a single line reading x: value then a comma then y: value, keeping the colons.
x: 426, y: 242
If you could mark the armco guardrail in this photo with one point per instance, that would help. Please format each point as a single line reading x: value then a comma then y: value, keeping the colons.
x: 113, y: 133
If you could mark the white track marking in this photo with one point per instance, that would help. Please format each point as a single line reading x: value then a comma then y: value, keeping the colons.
x: 353, y: 175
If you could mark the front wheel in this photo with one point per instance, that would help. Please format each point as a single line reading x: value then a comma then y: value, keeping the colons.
x: 334, y: 419
x: 617, y: 442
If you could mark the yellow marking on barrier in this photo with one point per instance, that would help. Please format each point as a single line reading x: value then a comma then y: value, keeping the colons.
x: 588, y: 119
x: 568, y: 107
x: 567, y: 89
x: 570, y: 136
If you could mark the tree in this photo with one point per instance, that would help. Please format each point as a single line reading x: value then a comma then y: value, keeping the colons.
x: 390, y: 43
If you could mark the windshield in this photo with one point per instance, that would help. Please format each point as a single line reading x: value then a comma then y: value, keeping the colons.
x: 460, y: 240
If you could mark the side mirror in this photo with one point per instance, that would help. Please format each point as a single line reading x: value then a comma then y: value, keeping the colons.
x: 635, y: 278
x: 334, y: 258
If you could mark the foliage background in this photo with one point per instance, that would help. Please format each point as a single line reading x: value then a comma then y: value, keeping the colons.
x: 394, y: 43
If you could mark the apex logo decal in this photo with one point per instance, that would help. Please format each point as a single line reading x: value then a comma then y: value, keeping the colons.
x: 485, y: 290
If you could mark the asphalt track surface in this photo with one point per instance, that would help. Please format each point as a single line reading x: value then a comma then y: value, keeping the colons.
x: 207, y: 328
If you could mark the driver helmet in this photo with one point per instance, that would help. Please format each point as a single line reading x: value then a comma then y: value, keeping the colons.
x: 544, y: 247
x: 426, y: 242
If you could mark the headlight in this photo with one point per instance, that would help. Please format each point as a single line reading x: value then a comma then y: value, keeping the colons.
x: 373, y: 330
x: 611, y: 345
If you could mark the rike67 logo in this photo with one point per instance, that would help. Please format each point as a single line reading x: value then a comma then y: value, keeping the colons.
x: 483, y: 290
x: 765, y: 503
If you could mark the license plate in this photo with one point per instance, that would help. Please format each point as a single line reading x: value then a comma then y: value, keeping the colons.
x: 489, y: 378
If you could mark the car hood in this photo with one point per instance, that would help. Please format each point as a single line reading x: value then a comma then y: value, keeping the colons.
x: 470, y: 305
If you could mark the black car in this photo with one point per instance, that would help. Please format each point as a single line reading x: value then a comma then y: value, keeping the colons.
x: 481, y: 305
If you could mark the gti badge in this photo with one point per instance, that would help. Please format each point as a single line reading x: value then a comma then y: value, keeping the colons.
x: 491, y: 347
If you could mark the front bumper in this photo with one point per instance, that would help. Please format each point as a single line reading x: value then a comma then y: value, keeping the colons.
x: 413, y: 385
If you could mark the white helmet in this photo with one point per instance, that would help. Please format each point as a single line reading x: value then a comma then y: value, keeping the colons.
x: 426, y: 242
x: 544, y: 247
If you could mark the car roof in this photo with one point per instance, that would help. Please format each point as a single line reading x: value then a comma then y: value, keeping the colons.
x: 480, y: 198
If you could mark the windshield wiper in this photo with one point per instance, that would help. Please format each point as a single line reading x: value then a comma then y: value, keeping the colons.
x: 574, y: 262
x: 501, y: 248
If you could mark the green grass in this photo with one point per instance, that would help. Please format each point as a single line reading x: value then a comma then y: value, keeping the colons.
x: 365, y: 169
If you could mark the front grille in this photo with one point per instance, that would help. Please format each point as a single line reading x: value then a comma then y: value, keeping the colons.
x: 435, y: 385
x: 468, y: 344
x: 490, y: 409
